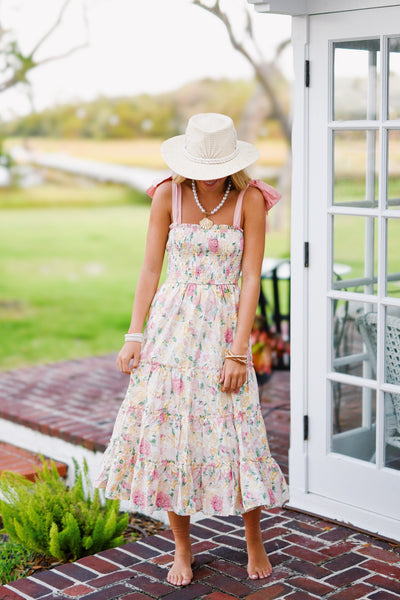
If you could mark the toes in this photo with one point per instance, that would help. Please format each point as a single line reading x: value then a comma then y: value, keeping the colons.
x: 253, y: 575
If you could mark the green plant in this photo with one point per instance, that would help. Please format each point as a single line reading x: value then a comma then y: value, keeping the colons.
x: 13, y: 558
x: 47, y: 517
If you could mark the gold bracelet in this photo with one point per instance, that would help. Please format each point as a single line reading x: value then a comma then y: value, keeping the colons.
x: 240, y: 358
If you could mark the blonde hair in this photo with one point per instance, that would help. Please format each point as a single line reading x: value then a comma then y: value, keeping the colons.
x: 239, y: 179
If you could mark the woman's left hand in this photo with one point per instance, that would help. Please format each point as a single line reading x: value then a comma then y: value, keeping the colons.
x: 233, y: 376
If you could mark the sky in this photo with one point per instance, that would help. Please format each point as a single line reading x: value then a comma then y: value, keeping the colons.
x: 136, y: 46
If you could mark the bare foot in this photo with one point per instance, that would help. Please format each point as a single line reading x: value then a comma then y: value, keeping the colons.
x: 258, y: 566
x: 181, y: 571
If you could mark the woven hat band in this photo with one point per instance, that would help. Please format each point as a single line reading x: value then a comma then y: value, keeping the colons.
x: 211, y: 161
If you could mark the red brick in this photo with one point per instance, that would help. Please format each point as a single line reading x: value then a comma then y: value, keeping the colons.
x: 354, y: 592
x: 307, y: 542
x: 228, y: 585
x: 269, y: 534
x: 347, y: 577
x: 140, y: 550
x: 230, y: 540
x: 382, y: 568
x: 6, y: 594
x: 305, y: 554
x: 309, y: 569
x: 136, y: 596
x: 108, y: 593
x: 201, y: 573
x: 77, y: 590
x: 189, y: 592
x: 312, y: 586
x: 219, y: 596
x: 278, y: 590
x: 111, y: 578
x: 335, y: 534
x: 152, y: 570
x: 74, y: 571
x: 202, y: 547
x: 385, y: 583
x: 235, y: 571
x: 121, y: 558
x: 345, y: 561
x: 29, y: 587
x: 159, y: 542
x: 97, y: 564
x: 383, y: 596
x: 52, y: 579
x: 217, y: 525
x: 380, y: 554
x: 164, y: 559
x: 299, y: 596
x: 338, y: 549
x: 277, y: 574
x: 154, y: 588
x: 303, y: 527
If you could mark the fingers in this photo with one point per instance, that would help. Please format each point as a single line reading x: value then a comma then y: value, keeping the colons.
x: 233, y: 376
x: 129, y: 357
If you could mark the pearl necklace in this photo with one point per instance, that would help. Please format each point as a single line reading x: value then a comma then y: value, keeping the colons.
x: 206, y: 223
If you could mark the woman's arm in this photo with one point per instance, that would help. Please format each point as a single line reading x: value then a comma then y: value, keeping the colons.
x: 157, y: 234
x: 234, y: 374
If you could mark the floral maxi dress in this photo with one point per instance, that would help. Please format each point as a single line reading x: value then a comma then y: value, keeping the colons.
x: 179, y: 443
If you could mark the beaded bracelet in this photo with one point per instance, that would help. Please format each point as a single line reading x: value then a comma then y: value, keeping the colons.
x: 240, y: 358
x: 134, y: 337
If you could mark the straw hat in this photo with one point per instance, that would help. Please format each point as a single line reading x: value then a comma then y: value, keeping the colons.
x: 209, y: 149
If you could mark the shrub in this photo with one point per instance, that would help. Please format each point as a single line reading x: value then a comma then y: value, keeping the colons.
x: 47, y: 517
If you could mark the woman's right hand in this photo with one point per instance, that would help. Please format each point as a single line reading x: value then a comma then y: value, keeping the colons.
x: 130, y: 351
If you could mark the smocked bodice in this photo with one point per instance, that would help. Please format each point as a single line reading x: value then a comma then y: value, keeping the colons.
x: 204, y: 256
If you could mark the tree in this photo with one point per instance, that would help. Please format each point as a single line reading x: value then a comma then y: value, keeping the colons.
x: 15, y: 65
x: 268, y: 75
x: 245, y: 42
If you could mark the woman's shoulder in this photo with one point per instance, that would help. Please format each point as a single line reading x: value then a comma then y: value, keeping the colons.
x: 257, y: 189
x: 162, y: 186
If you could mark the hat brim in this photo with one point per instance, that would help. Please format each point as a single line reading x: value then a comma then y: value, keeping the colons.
x: 172, y: 151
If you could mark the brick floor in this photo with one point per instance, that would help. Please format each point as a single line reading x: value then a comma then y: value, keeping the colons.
x: 312, y: 558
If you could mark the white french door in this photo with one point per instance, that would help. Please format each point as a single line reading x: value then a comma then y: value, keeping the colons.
x: 354, y: 269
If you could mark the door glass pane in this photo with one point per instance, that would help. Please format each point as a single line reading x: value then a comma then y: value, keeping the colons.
x: 350, y: 352
x: 392, y: 346
x: 355, y: 241
x: 393, y: 258
x: 356, y: 80
x: 356, y: 168
x: 392, y: 431
x: 393, y: 175
x: 394, y: 78
x: 353, y: 421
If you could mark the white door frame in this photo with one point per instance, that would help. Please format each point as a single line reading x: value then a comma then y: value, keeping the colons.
x: 308, y: 367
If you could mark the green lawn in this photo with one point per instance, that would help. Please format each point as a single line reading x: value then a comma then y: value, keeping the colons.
x: 67, y: 280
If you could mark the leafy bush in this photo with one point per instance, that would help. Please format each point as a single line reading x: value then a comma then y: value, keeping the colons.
x: 47, y: 517
x: 13, y: 558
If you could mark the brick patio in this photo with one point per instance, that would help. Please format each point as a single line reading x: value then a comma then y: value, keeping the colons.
x: 312, y: 558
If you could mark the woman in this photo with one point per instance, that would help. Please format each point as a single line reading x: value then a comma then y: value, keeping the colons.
x: 189, y: 435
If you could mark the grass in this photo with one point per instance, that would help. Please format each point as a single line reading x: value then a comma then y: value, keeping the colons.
x: 67, y: 280
x: 13, y: 560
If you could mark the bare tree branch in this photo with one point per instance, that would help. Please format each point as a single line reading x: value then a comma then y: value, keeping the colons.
x: 261, y: 69
x: 55, y: 25
x: 22, y: 64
